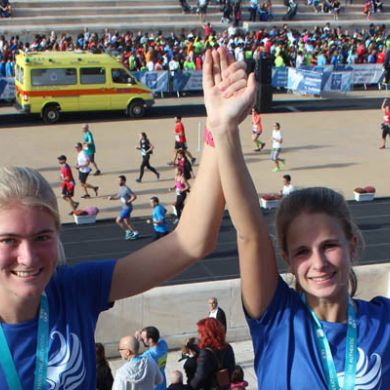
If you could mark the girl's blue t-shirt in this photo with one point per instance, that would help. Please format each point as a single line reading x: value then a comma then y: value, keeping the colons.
x: 76, y: 296
x: 286, y: 355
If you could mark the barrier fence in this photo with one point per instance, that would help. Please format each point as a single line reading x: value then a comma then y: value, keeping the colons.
x: 304, y: 80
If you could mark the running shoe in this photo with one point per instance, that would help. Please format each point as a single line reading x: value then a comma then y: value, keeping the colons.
x: 158, y: 175
x: 86, y: 196
x: 262, y: 146
x: 96, y: 189
x: 138, y: 180
x: 134, y: 235
x: 97, y: 173
x: 276, y: 170
x: 128, y: 235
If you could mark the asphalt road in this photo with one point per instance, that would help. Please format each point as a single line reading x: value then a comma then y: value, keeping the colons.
x: 104, y: 240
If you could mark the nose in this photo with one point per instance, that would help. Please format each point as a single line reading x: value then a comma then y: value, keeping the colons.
x: 319, y: 260
x: 27, y: 254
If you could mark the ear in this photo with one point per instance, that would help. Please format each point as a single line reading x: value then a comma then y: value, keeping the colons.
x: 353, y: 244
x: 287, y: 260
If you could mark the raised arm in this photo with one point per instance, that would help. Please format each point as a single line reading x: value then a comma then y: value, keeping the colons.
x: 384, y: 104
x: 229, y: 98
x: 194, y: 237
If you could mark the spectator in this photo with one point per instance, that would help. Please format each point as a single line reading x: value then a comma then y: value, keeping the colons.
x: 386, y: 67
x: 215, y: 311
x: 146, y: 149
x: 158, y: 220
x: 215, y: 355
x: 127, y: 197
x: 5, y: 9
x: 237, y: 379
x: 157, y: 350
x: 190, y: 352
x: 287, y: 186
x: 104, y: 378
x: 252, y: 10
x: 139, y: 372
x: 177, y: 381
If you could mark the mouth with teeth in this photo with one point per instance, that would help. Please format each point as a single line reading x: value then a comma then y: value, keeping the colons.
x: 26, y: 274
x: 323, y: 278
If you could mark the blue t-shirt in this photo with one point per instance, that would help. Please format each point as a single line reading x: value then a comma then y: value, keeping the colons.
x: 76, y: 296
x: 159, y: 354
x: 286, y: 355
x: 159, y: 215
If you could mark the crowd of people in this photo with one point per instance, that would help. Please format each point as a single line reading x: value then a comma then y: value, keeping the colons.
x: 145, y: 51
x: 208, y: 361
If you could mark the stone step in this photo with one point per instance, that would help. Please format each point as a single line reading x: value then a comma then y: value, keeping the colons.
x: 82, y: 20
x: 156, y: 9
x: 27, y: 30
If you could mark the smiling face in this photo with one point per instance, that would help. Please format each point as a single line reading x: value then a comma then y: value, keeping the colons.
x: 319, y: 255
x: 28, y: 252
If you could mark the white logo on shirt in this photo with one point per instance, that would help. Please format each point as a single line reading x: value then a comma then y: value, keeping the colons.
x: 368, y: 372
x: 66, y: 369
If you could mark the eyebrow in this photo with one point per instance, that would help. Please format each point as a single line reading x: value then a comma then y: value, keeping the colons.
x: 43, y: 231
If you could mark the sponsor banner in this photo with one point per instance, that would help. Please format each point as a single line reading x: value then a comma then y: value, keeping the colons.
x: 187, y: 81
x: 322, y: 69
x: 279, y: 77
x: 156, y: 81
x: 304, y: 81
x: 339, y: 82
x: 364, y: 73
x: 7, y: 88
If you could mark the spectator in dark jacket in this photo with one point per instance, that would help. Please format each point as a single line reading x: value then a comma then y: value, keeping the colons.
x: 104, y: 378
x: 215, y: 354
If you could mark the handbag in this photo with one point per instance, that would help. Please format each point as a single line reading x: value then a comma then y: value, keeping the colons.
x: 222, y: 375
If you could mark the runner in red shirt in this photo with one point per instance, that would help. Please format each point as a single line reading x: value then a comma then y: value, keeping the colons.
x: 180, y: 141
x: 257, y: 129
x: 67, y: 183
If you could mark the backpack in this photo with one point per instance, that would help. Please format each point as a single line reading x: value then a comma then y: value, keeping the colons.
x: 222, y: 375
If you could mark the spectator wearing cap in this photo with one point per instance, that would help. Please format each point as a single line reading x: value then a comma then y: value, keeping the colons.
x: 67, y: 183
x: 158, y: 220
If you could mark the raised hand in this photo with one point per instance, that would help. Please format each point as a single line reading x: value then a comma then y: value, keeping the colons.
x: 228, y: 92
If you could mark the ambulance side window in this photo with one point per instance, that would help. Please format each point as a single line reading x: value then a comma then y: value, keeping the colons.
x: 53, y: 76
x: 121, y: 76
x: 92, y: 75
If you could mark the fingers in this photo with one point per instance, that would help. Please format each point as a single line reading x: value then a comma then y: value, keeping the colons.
x: 208, y: 79
x: 217, y: 66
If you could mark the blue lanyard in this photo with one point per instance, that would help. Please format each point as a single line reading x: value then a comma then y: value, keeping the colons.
x: 326, y: 354
x: 42, y: 353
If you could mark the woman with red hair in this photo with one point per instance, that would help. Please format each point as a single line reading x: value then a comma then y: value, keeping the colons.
x: 215, y: 355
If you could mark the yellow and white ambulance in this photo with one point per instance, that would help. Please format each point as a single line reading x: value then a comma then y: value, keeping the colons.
x: 52, y: 82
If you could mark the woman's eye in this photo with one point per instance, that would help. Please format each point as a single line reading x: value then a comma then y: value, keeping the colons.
x: 8, y: 241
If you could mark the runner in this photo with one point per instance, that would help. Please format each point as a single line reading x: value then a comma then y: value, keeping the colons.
x: 180, y: 141
x: 277, y: 140
x: 67, y: 183
x: 386, y: 123
x: 257, y: 129
x: 146, y: 149
x: 90, y: 148
x: 127, y: 197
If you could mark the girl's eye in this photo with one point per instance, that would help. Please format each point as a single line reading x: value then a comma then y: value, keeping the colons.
x: 301, y: 252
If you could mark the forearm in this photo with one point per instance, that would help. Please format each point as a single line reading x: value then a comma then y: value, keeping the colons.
x: 256, y: 254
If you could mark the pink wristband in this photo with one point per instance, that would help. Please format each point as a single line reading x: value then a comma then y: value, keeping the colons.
x: 208, y: 137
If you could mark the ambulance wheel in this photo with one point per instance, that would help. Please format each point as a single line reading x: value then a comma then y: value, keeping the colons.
x: 51, y: 114
x: 136, y: 109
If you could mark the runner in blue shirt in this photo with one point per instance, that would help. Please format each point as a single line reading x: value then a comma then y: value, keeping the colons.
x: 158, y: 220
